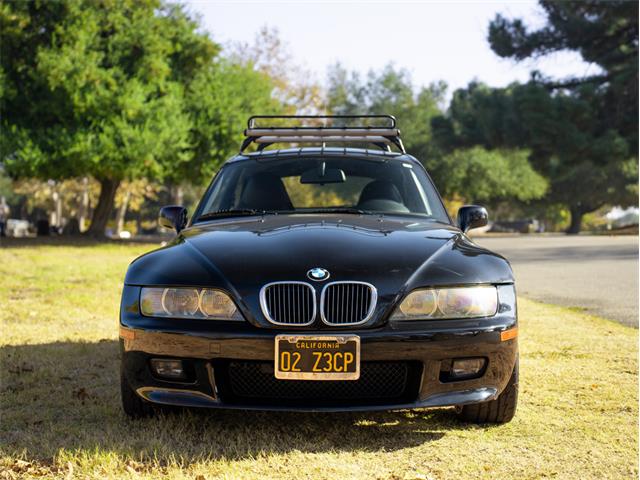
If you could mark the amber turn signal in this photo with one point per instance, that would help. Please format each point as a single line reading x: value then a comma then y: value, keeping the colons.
x: 509, y: 334
x: 127, y: 334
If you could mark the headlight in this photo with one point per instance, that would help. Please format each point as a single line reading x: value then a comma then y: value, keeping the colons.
x: 441, y: 303
x: 188, y: 303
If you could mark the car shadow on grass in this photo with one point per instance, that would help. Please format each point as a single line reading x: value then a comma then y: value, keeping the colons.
x: 65, y: 396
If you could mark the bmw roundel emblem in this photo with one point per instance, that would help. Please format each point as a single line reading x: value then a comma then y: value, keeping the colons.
x: 318, y: 274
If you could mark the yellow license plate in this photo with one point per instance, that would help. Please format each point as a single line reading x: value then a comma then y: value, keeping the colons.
x: 305, y: 357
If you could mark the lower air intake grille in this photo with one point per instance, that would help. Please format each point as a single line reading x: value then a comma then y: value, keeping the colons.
x: 288, y: 303
x: 347, y: 303
x: 253, y: 382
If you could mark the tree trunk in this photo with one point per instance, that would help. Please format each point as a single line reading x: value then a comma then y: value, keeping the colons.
x: 177, y: 195
x: 102, y: 212
x: 55, y: 217
x: 577, y: 212
x: 84, y: 206
x: 122, y: 212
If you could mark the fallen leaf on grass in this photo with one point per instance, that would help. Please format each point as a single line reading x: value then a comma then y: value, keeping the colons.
x: 20, y: 465
x: 134, y: 467
x: 81, y: 394
x: 69, y: 475
x: 20, y: 468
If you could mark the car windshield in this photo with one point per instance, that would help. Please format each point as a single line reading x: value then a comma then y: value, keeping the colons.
x: 322, y: 185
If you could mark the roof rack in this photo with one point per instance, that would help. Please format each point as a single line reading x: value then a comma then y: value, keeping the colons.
x: 323, y: 129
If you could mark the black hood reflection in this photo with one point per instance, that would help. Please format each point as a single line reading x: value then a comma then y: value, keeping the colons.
x: 395, y: 254
x: 376, y: 249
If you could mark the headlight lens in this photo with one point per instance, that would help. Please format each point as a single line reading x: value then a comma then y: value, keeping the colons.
x: 188, y: 303
x: 214, y: 303
x: 180, y: 301
x: 442, y: 303
x: 420, y: 303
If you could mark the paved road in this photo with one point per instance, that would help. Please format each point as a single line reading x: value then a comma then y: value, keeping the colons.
x: 598, y: 273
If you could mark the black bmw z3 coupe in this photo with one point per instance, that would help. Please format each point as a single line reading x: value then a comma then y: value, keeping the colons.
x: 321, y: 279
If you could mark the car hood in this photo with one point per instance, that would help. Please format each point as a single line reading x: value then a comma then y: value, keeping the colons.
x: 395, y: 254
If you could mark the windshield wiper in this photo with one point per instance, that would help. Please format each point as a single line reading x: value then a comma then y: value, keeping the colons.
x: 242, y: 212
x: 353, y: 210
x: 246, y: 212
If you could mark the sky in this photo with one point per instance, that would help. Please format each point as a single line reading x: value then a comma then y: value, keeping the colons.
x: 432, y: 40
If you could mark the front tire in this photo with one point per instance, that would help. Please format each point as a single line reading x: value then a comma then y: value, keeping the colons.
x: 132, y: 404
x: 500, y: 410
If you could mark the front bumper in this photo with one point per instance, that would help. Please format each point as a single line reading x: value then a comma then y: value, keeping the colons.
x: 429, y: 350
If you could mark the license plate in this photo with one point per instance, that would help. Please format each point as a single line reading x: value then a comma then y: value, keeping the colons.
x: 303, y: 357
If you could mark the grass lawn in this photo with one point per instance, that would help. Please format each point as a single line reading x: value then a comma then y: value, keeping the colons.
x: 60, y: 408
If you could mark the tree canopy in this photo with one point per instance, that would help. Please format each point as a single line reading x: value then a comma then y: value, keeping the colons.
x: 504, y: 173
x: 604, y: 34
x: 582, y: 133
x: 587, y: 163
x: 388, y: 91
x: 116, y: 90
x: 489, y: 176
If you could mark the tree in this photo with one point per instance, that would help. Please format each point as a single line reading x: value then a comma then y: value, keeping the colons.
x: 389, y: 91
x: 220, y: 99
x: 583, y: 131
x: 294, y: 87
x: 604, y: 33
x: 117, y: 90
x: 506, y: 174
x: 130, y: 198
x: 92, y: 88
x: 485, y: 176
x: 586, y: 163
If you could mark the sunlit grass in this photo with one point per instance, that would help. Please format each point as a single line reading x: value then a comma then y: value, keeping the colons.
x: 61, y: 417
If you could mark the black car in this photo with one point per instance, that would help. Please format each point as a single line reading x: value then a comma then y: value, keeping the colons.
x: 321, y: 279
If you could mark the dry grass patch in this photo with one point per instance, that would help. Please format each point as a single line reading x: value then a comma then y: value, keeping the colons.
x: 61, y: 417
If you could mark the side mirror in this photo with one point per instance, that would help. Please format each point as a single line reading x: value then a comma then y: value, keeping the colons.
x: 173, y: 216
x: 472, y: 216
